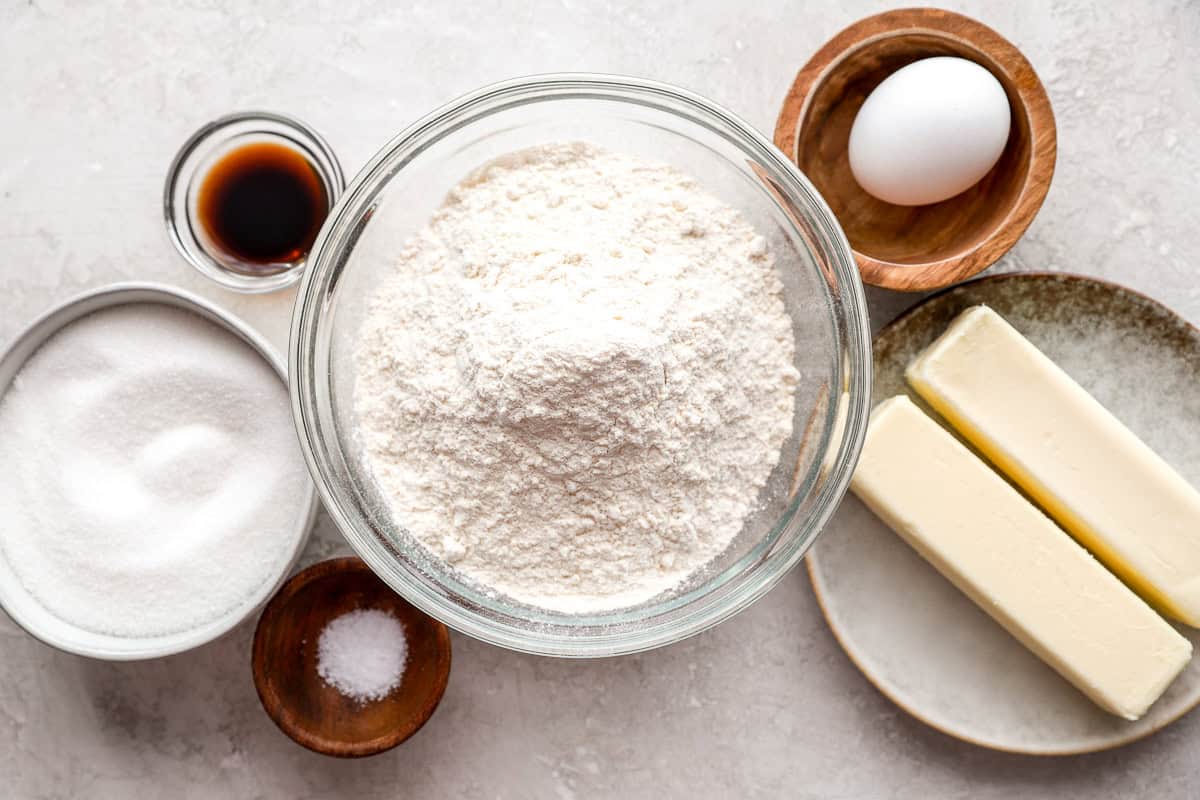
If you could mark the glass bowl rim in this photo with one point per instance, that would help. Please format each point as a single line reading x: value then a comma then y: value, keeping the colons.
x: 329, y: 254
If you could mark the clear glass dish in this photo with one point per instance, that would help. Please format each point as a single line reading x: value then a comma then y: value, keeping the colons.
x: 204, y: 149
x: 394, y: 196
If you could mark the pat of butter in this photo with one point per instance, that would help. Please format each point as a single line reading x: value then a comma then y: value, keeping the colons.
x: 1014, y: 562
x: 1055, y: 441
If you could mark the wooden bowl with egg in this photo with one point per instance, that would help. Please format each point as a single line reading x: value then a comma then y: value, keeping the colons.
x: 916, y: 248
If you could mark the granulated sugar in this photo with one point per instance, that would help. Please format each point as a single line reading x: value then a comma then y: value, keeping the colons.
x: 363, y: 654
x: 151, y: 481
x: 577, y: 379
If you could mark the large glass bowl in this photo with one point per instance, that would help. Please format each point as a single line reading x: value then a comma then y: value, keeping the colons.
x: 394, y: 196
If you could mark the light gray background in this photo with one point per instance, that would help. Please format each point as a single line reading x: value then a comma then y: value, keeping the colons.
x: 96, y: 97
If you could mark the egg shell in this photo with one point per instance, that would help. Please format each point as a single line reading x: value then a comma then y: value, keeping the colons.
x: 930, y: 131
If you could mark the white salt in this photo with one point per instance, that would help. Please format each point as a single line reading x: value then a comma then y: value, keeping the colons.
x: 362, y: 654
x: 150, y: 479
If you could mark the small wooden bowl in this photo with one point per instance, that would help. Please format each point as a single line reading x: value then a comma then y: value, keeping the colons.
x: 315, y: 714
x: 922, y: 247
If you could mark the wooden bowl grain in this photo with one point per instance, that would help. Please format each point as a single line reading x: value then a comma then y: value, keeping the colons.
x: 315, y: 714
x: 922, y: 247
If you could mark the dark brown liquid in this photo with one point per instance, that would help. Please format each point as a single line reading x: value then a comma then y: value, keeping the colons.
x: 263, y: 203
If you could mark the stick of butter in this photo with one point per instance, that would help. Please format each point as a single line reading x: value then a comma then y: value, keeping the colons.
x: 1014, y: 562
x: 1055, y: 441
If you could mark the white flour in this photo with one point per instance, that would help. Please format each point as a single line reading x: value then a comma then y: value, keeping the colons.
x: 578, y: 378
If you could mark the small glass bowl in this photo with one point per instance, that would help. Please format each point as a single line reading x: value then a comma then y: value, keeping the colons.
x: 191, y: 165
x: 394, y: 196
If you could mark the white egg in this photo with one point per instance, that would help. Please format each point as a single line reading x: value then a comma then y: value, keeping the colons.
x: 931, y: 130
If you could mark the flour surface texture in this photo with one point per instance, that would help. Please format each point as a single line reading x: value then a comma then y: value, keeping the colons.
x: 578, y: 378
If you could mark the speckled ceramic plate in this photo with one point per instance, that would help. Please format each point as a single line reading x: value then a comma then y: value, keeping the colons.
x: 916, y: 637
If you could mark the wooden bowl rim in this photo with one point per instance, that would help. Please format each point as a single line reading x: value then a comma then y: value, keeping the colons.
x: 274, y: 705
x: 1034, y: 102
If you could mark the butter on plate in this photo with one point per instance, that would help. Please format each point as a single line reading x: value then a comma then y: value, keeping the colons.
x: 1070, y: 454
x: 1014, y: 562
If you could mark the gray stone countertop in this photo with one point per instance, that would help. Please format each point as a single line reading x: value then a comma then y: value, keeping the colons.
x: 99, y: 95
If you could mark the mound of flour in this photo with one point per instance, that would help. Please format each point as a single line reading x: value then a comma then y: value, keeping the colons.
x: 577, y: 379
